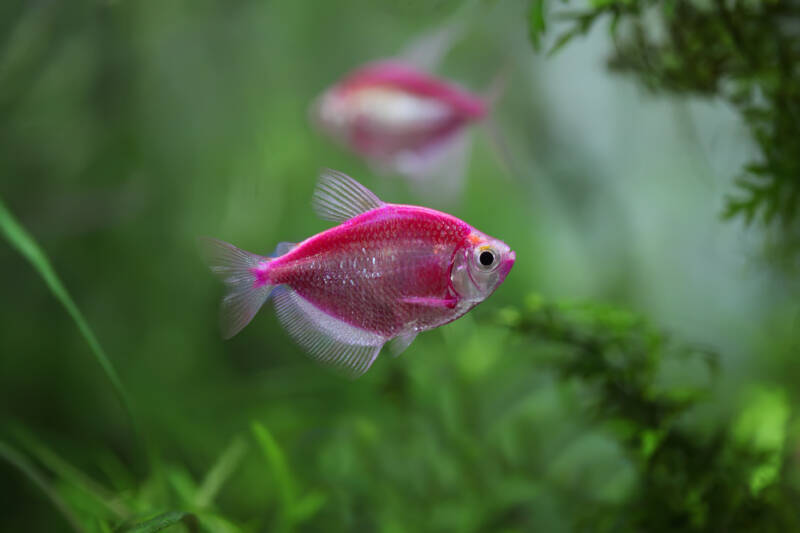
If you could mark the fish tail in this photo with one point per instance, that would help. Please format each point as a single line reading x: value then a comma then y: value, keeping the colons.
x: 246, y: 277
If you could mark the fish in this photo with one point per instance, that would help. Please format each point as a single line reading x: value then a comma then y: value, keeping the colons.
x: 402, y: 120
x: 381, y: 276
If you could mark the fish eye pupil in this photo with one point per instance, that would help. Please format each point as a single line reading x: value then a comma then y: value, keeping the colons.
x: 486, y: 258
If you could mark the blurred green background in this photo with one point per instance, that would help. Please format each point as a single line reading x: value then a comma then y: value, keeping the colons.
x: 128, y: 128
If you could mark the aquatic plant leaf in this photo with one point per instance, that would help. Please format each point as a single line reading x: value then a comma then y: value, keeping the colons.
x: 308, y: 506
x: 221, y: 471
x: 162, y: 521
x: 277, y: 464
x: 69, y: 474
x: 21, y: 463
x: 762, y: 426
x: 25, y: 244
x: 182, y: 483
x: 536, y: 23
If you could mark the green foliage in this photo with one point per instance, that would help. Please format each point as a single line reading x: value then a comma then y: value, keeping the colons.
x: 681, y: 473
x: 128, y: 128
x: 162, y: 521
x: 24, y: 243
x: 91, y: 506
x: 745, y: 52
x: 21, y: 463
x: 537, y: 22
x: 293, y: 510
x: 726, y: 478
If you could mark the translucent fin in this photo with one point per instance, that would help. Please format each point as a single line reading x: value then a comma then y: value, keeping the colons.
x: 339, y: 197
x: 439, y: 171
x: 399, y: 344
x: 427, y: 51
x: 494, y: 134
x: 283, y: 248
x: 331, y: 341
x: 497, y: 87
x: 247, y: 291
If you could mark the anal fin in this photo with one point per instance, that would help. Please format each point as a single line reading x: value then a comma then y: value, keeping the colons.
x: 333, y: 342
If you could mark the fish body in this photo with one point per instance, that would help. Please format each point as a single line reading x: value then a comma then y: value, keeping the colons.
x: 373, y: 270
x: 398, y: 117
x: 385, y: 273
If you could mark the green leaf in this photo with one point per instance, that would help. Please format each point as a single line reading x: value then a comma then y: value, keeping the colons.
x: 214, y: 523
x: 21, y: 463
x: 762, y: 427
x: 220, y: 472
x: 537, y: 23
x: 563, y: 39
x: 24, y: 243
x: 308, y: 506
x: 69, y: 474
x: 160, y: 522
x: 277, y: 463
x: 183, y: 484
x: 650, y: 440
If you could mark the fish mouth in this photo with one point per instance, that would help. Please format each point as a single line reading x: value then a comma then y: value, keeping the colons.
x: 505, y: 268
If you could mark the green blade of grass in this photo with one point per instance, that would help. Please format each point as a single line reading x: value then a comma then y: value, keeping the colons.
x: 278, y: 465
x: 22, y: 464
x: 24, y: 243
x: 69, y: 473
x: 160, y: 522
x: 220, y: 472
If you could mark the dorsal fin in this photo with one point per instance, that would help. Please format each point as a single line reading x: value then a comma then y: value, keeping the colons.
x: 283, y: 248
x: 339, y: 197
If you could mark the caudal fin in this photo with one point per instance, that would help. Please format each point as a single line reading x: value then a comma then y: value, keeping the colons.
x: 245, y: 277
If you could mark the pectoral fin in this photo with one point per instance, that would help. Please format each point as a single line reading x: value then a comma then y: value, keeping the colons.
x: 399, y: 344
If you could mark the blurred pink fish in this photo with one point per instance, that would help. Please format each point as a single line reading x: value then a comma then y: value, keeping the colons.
x: 394, y: 115
x: 402, y: 120
x: 387, y: 272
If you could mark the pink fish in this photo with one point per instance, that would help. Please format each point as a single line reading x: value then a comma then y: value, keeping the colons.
x: 385, y: 273
x: 402, y: 120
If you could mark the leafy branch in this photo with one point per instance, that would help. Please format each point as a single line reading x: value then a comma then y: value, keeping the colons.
x: 690, y: 478
x: 744, y: 52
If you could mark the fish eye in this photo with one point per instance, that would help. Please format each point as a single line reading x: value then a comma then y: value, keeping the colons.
x: 487, y: 259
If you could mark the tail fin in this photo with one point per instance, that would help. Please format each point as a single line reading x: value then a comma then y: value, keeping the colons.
x: 244, y: 275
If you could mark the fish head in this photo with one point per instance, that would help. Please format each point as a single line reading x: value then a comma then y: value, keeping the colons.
x: 480, y: 266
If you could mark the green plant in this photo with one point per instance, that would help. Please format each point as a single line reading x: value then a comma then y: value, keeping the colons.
x: 689, y: 477
x: 743, y: 52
